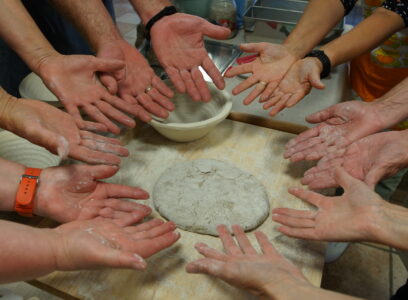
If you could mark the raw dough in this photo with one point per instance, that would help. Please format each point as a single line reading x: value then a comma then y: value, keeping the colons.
x: 198, y: 195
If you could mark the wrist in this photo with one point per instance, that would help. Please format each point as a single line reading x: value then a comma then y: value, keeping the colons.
x: 295, y: 50
x: 11, y: 180
x: 286, y: 289
x: 150, y: 9
x: 389, y: 112
x: 41, y: 58
x: 7, y: 109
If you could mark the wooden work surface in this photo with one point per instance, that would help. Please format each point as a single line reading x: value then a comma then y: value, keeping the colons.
x: 254, y: 149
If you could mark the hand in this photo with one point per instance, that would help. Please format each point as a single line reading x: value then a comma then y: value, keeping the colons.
x: 55, y: 130
x: 93, y: 244
x: 354, y: 216
x: 243, y: 267
x: 370, y: 159
x: 339, y: 125
x: 267, y: 70
x: 136, y: 78
x: 178, y: 43
x: 73, y: 80
x: 297, y: 83
x: 74, y: 192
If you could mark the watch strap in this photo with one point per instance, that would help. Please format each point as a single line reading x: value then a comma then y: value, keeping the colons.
x: 24, y: 204
x: 167, y: 11
x: 324, y: 59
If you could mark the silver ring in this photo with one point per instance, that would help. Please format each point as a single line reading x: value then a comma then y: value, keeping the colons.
x: 148, y: 89
x: 262, y: 82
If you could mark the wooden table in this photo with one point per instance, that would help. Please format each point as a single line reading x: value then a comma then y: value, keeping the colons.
x: 254, y: 149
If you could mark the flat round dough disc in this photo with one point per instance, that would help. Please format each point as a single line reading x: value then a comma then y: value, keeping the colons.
x: 198, y: 195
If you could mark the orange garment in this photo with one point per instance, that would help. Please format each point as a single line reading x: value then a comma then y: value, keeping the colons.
x: 371, y: 80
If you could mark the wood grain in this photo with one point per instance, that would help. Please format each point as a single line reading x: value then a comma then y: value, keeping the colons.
x: 254, y: 149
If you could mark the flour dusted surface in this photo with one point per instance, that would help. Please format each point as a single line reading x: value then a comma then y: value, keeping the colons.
x: 198, y: 195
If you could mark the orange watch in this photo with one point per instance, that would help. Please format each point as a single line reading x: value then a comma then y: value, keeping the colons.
x: 26, y: 191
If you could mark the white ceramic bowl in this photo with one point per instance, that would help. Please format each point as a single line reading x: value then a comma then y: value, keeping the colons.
x: 19, y: 150
x: 192, y: 120
x: 32, y: 87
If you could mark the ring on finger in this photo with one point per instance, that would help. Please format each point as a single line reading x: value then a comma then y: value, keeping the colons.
x: 148, y: 89
x: 262, y: 82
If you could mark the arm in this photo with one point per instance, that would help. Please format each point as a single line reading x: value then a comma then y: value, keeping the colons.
x: 97, y: 26
x: 30, y: 252
x: 268, y: 275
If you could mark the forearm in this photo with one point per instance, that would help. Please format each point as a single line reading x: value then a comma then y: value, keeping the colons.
x: 26, y: 252
x: 10, y: 173
x: 92, y: 20
x: 363, y: 38
x: 319, y: 18
x: 20, y: 32
x: 393, y: 106
x: 148, y: 9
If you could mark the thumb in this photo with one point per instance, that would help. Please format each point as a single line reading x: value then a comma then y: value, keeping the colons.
x: 107, y: 65
x: 116, y: 258
x: 109, y: 82
x: 374, y: 176
x: 206, y: 266
x: 344, y: 179
x: 215, y: 31
x: 315, y: 81
x: 98, y: 171
x: 253, y: 47
x: 321, y: 115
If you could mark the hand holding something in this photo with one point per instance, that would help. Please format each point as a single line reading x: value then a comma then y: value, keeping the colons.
x: 267, y: 70
x: 370, y: 159
x: 134, y: 82
x: 73, y: 79
x: 98, y: 243
x: 339, y: 125
x: 55, y: 130
x: 178, y: 43
x: 243, y: 267
x: 351, y: 217
x: 297, y: 83
x: 73, y: 192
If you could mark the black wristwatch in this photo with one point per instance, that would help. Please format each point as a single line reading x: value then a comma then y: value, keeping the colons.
x: 324, y: 59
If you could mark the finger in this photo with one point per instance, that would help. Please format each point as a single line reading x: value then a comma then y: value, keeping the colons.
x: 295, y: 98
x: 96, y: 115
x: 162, y: 87
x: 107, y: 65
x: 105, y: 147
x: 109, y: 82
x: 321, y: 115
x: 121, y: 218
x: 254, y: 93
x: 176, y: 79
x: 149, y: 105
x: 150, y: 247
x: 190, y: 86
x: 116, y: 258
x: 310, y: 133
x: 161, y: 100
x: 155, y: 231
x: 228, y: 242
x: 344, y: 179
x: 114, y: 114
x: 266, y: 246
x: 144, y: 226
x: 74, y: 112
x: 127, y: 206
x: 86, y: 135
x: 130, y: 105
x: 303, y: 145
x: 279, y: 106
x: 374, y: 176
x: 246, y: 84
x: 215, y: 31
x: 201, y: 84
x: 300, y: 233
x: 253, y: 47
x: 92, y: 126
x: 270, y: 88
x: 243, y: 240
x: 209, y: 252
x: 293, y: 221
x: 114, y: 190
x: 93, y: 157
x: 238, y: 70
x: 307, y: 214
x: 96, y: 172
x: 308, y: 196
x: 273, y: 100
x: 206, y: 266
x: 214, y: 73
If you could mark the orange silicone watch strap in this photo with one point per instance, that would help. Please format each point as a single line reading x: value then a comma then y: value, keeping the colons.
x: 26, y: 191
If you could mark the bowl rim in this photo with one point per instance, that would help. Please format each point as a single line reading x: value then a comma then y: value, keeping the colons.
x: 196, y: 125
